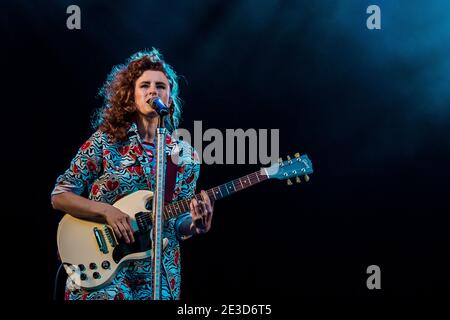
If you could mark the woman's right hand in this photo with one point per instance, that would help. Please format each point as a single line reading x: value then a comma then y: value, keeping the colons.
x: 119, y: 221
x: 97, y: 211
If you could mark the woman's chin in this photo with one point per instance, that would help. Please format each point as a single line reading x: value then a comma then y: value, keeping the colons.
x: 150, y: 113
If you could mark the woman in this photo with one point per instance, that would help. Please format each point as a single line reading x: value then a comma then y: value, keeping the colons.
x: 118, y: 159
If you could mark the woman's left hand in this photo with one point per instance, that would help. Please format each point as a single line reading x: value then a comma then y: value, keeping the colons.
x: 201, y: 212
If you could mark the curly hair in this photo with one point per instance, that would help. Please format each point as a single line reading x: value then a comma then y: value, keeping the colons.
x: 119, y: 109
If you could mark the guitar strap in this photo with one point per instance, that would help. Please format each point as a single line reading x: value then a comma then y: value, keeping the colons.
x: 171, y: 175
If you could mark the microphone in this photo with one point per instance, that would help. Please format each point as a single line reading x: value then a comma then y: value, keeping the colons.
x: 159, y: 106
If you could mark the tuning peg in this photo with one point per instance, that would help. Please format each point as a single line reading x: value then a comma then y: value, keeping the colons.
x: 297, y: 155
x: 297, y: 179
x: 289, y: 159
x: 289, y: 182
x: 280, y: 162
x: 306, y: 178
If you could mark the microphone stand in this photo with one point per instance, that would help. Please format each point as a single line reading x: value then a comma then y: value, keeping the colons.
x: 158, y: 200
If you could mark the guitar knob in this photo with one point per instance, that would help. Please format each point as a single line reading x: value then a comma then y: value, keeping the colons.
x: 83, y: 276
x: 96, y: 275
x: 82, y: 267
x: 106, y: 264
x: 92, y: 265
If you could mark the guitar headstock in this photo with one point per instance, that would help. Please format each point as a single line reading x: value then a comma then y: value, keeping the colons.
x: 291, y: 168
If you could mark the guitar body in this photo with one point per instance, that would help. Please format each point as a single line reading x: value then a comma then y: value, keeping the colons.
x: 91, y: 253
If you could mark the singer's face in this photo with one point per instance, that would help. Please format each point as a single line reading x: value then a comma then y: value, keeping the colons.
x: 151, y: 84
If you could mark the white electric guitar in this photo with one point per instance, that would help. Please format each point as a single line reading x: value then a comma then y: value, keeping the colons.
x: 92, y: 255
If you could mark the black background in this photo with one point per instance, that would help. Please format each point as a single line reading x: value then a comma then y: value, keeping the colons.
x: 369, y: 107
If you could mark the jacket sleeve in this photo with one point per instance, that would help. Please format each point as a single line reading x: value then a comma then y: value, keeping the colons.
x: 188, y: 189
x: 84, y: 167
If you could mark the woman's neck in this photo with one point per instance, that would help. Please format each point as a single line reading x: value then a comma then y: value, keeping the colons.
x: 147, y: 128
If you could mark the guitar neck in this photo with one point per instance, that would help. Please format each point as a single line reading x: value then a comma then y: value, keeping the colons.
x: 216, y: 193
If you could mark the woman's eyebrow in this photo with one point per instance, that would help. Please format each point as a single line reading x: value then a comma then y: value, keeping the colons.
x: 157, y: 82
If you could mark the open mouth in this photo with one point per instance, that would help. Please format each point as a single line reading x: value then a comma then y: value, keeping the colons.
x: 150, y: 101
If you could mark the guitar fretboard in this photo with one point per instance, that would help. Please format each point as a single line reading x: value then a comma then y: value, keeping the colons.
x: 175, y: 209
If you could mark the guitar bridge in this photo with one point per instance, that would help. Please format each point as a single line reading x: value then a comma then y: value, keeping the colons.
x: 110, y: 236
x: 100, y: 240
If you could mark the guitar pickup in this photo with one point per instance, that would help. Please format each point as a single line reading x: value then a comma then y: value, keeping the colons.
x: 100, y: 240
x: 143, y: 221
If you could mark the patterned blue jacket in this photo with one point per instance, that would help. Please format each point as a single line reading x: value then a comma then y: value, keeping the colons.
x: 107, y: 171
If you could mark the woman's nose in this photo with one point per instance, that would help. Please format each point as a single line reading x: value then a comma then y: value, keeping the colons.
x: 153, y: 91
